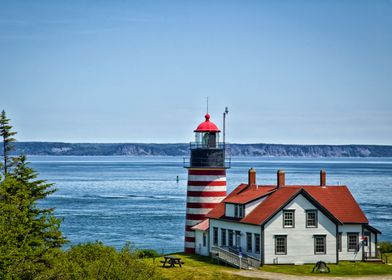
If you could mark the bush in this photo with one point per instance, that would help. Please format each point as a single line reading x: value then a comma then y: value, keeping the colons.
x: 147, y: 253
x: 385, y: 246
x: 97, y: 261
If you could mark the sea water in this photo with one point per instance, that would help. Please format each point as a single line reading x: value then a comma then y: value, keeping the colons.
x: 138, y: 199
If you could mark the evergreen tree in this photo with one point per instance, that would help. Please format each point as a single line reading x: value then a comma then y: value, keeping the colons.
x: 6, y: 134
x: 28, y: 233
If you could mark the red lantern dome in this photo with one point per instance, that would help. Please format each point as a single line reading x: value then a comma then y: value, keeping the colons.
x: 207, y: 126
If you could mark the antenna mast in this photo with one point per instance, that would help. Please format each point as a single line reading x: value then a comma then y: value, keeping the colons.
x: 224, y: 125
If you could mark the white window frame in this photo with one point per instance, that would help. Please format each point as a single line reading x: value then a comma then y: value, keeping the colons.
x: 288, y: 211
x: 315, y: 218
x: 324, y: 239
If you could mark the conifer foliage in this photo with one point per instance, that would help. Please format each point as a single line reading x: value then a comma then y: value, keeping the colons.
x: 29, y: 234
x: 7, y: 138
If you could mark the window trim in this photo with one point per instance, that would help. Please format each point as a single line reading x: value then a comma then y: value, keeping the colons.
x: 324, y: 236
x: 288, y: 211
x: 316, y: 218
x: 348, y: 241
x: 285, y: 244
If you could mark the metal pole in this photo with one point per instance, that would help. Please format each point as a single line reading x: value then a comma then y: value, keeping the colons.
x: 224, y: 125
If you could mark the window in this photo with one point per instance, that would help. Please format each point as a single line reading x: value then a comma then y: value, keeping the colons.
x: 231, y: 235
x: 257, y: 243
x: 249, y: 246
x: 223, y: 237
x: 215, y: 236
x: 311, y: 218
x: 339, y: 240
x: 204, y: 240
x: 280, y: 245
x: 320, y: 246
x: 288, y: 218
x: 352, y: 242
x: 238, y: 211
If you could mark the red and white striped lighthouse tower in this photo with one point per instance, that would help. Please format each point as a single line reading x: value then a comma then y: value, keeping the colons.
x: 206, y: 177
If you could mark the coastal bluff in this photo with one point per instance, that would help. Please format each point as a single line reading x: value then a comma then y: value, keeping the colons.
x: 181, y: 149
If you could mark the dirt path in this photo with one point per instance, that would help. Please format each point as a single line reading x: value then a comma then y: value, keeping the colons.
x: 280, y: 276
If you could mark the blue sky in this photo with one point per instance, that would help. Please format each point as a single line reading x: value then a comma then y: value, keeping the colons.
x: 306, y: 72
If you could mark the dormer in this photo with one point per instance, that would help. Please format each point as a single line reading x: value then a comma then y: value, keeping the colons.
x: 234, y: 210
x: 247, y: 198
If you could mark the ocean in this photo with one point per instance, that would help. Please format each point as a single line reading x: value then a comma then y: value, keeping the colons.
x: 138, y: 199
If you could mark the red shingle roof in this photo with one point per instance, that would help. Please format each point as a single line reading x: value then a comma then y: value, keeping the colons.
x: 246, y: 195
x: 337, y: 201
x: 270, y: 205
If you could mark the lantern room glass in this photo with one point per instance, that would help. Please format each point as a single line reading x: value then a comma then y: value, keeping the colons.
x: 207, y: 139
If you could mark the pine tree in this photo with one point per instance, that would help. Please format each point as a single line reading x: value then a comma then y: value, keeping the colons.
x: 6, y: 134
x: 28, y: 233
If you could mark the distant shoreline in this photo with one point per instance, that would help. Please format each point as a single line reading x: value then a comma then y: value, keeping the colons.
x: 182, y: 149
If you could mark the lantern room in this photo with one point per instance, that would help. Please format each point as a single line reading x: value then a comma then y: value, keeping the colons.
x: 207, y: 151
x: 207, y: 134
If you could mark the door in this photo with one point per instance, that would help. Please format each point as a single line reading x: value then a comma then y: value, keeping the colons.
x: 367, y: 247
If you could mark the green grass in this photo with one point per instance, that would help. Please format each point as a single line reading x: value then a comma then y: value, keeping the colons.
x: 341, y: 269
x: 196, y: 267
x: 199, y: 267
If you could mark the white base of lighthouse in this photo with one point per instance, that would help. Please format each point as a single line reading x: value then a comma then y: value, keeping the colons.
x: 206, y: 188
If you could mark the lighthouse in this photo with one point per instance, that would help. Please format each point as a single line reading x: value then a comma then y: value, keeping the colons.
x: 206, y: 177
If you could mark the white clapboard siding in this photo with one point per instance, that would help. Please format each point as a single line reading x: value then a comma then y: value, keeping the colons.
x: 300, y: 239
x: 345, y: 255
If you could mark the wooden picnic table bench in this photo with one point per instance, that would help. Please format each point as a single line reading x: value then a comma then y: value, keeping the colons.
x: 171, y: 261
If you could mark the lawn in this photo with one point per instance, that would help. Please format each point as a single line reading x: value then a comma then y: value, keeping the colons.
x: 197, y: 267
x: 341, y: 269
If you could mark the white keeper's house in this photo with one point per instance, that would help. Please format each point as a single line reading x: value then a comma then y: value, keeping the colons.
x: 268, y: 224
x: 284, y: 224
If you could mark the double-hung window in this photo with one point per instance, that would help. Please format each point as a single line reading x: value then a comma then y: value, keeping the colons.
x: 223, y: 237
x: 352, y: 242
x: 204, y: 239
x: 320, y: 245
x: 238, y: 210
x: 288, y: 218
x: 257, y: 243
x: 231, y: 237
x: 215, y: 236
x: 311, y: 218
x: 280, y: 245
x: 249, y: 246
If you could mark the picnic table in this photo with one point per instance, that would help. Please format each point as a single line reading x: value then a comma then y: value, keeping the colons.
x: 171, y: 261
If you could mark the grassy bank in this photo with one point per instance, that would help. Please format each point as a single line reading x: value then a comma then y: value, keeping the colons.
x: 341, y: 269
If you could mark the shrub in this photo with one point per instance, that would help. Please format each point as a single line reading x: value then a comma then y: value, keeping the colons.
x: 96, y: 261
x: 147, y: 253
x: 385, y: 246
